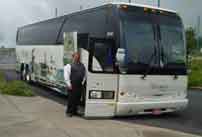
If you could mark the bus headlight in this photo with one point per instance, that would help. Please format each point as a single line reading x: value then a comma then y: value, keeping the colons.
x: 96, y: 94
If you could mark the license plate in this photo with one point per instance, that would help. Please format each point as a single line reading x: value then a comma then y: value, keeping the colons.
x: 156, y: 112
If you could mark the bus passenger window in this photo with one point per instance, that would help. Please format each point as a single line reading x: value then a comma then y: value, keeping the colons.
x: 102, y: 58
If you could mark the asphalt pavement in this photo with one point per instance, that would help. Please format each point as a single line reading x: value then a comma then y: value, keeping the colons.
x: 188, y: 121
x: 41, y: 117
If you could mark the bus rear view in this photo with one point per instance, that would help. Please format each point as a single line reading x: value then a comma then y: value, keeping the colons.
x: 153, y: 75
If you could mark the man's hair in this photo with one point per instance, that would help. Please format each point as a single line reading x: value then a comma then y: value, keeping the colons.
x: 76, y: 53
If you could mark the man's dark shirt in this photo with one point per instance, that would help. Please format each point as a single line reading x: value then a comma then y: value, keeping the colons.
x: 77, y: 74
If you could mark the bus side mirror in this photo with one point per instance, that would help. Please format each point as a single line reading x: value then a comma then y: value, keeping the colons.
x: 120, y: 56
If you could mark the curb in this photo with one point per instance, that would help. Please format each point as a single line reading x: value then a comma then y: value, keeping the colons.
x: 196, y: 88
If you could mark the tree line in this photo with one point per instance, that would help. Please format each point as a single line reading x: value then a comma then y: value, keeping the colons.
x: 194, y: 43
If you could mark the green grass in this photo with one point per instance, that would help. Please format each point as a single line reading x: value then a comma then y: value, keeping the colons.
x: 14, y: 88
x: 2, y: 81
x: 195, y: 77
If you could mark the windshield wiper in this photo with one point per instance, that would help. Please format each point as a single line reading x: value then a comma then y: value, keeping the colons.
x: 153, y: 56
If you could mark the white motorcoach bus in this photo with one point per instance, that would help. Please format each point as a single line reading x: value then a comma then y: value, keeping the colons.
x: 135, y: 56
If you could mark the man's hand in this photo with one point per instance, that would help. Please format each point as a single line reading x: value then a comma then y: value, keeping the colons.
x: 69, y: 87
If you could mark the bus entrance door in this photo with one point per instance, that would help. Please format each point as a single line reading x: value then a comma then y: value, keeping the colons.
x: 102, y: 81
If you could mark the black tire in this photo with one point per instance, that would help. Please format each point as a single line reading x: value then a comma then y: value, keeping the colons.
x: 22, y: 72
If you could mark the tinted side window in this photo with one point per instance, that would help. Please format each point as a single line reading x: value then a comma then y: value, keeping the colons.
x: 94, y: 23
x: 42, y: 33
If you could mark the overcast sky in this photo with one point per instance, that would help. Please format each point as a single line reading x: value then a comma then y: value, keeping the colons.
x: 15, y: 13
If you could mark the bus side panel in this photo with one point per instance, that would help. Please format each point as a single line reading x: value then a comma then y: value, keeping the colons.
x: 45, y: 62
x: 101, y: 83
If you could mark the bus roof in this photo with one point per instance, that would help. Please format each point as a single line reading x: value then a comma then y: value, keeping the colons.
x: 51, y: 30
x: 141, y: 5
x: 110, y: 3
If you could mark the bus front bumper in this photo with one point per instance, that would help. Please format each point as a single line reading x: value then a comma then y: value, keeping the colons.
x: 150, y: 107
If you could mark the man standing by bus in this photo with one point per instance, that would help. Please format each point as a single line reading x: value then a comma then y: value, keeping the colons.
x: 75, y: 76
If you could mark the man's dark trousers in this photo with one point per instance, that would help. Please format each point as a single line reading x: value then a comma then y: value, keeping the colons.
x: 76, y: 77
x: 74, y: 97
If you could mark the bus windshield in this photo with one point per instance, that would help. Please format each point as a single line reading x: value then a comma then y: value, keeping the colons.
x: 172, y: 43
x: 155, y: 41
